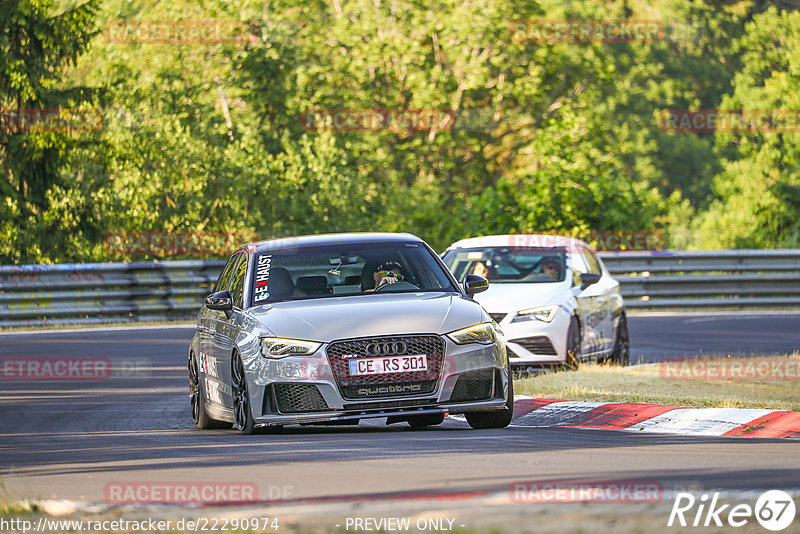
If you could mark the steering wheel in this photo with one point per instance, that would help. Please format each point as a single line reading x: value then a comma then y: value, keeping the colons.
x: 402, y: 284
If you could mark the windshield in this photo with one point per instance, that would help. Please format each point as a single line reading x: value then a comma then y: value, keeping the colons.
x: 347, y: 269
x: 509, y: 264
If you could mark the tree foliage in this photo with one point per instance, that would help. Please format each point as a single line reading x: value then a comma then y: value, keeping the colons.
x: 39, y: 205
x: 547, y: 136
x: 758, y: 190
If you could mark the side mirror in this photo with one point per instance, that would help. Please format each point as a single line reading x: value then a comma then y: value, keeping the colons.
x: 475, y: 284
x: 588, y: 279
x: 220, y: 301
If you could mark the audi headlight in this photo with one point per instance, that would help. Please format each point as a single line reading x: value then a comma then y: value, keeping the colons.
x: 480, y: 333
x: 276, y: 347
x: 541, y: 313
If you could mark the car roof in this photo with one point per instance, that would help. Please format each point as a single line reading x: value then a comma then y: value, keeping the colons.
x: 521, y: 240
x: 329, y: 239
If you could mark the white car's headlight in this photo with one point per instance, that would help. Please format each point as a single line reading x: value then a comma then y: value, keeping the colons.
x: 276, y: 347
x: 480, y: 333
x: 541, y: 313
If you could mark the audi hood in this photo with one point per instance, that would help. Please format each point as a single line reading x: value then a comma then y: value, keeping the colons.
x: 332, y: 318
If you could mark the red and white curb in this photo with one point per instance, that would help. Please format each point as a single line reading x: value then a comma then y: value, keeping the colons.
x: 535, y: 412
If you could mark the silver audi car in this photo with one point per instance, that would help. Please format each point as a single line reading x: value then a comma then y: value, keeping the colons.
x: 332, y: 329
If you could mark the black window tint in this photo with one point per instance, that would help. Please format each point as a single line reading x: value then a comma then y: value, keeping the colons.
x: 346, y: 269
x: 237, y: 283
x: 508, y: 265
x: 225, y: 277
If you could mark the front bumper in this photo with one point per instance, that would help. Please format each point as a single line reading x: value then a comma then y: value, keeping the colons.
x: 534, y: 342
x: 307, y: 389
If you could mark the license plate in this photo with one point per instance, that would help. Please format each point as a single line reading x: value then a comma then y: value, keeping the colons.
x: 388, y: 364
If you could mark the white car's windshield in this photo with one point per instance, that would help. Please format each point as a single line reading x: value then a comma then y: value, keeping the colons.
x: 346, y: 269
x: 509, y: 264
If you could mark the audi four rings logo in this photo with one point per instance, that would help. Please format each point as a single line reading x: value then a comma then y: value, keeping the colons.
x: 384, y: 349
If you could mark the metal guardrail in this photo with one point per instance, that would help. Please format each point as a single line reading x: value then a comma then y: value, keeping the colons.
x: 724, y: 279
x: 78, y: 293
x: 86, y: 293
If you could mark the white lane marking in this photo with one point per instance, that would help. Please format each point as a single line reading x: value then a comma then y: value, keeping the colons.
x: 652, y: 364
x: 98, y: 329
x: 699, y: 421
x: 722, y: 314
x: 712, y: 319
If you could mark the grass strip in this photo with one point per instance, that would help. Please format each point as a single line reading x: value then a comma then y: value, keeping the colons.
x: 674, y: 386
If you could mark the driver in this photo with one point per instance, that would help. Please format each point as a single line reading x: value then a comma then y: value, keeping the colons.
x: 480, y: 269
x: 388, y: 272
x: 551, y: 267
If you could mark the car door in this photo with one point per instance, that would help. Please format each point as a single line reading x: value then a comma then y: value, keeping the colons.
x: 614, y: 303
x: 228, y: 329
x: 207, y: 319
x: 215, y: 363
x: 590, y: 304
x: 604, y: 289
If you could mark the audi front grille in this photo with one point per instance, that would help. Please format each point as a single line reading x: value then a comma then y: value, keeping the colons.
x: 387, y: 384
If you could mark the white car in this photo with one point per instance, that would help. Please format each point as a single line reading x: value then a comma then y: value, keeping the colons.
x: 553, y: 298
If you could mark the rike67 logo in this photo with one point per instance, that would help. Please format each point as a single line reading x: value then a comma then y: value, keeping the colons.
x: 774, y: 510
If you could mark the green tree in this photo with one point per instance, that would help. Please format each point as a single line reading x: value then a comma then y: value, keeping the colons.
x: 758, y: 188
x: 37, y: 44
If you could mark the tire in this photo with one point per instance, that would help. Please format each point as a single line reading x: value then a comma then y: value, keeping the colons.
x: 496, y: 418
x: 573, y: 359
x: 622, y: 346
x: 422, y: 421
x: 243, y: 420
x: 197, y: 398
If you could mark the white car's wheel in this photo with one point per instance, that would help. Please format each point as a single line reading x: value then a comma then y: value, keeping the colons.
x: 622, y: 347
x: 573, y: 360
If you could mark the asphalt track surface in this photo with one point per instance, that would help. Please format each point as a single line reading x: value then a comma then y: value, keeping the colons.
x: 659, y: 337
x: 68, y: 439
